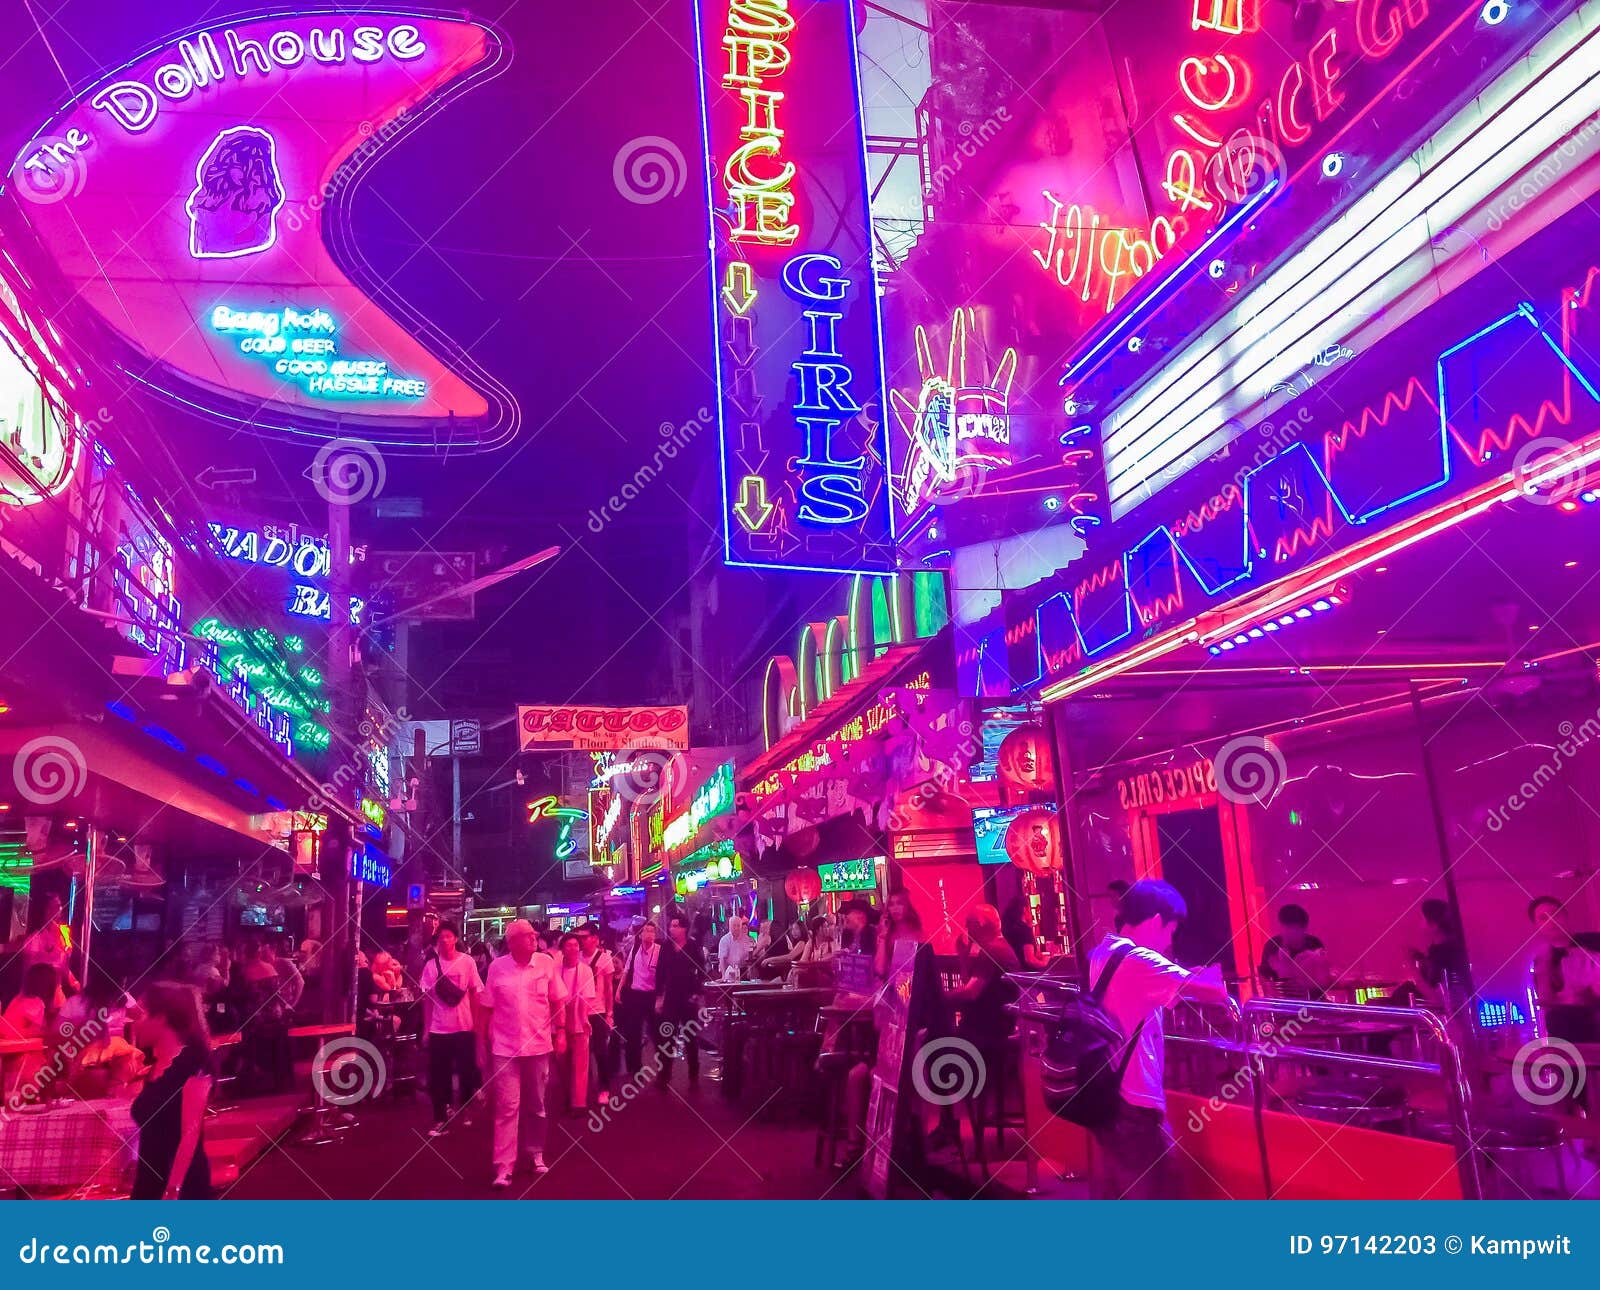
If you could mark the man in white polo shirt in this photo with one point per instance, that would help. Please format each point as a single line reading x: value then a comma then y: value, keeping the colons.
x: 521, y: 998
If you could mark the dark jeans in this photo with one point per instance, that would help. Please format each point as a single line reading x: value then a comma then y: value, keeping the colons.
x: 603, y: 1043
x: 636, y: 1014
x: 678, y: 1035
x: 1133, y: 1156
x: 451, y: 1057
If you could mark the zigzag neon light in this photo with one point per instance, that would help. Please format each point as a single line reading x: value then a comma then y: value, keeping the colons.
x: 1058, y: 633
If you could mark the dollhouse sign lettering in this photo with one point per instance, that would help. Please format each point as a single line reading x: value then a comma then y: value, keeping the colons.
x: 1196, y: 781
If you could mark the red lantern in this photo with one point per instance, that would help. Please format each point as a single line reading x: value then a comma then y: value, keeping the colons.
x: 1033, y: 840
x: 1024, y: 761
x: 803, y: 886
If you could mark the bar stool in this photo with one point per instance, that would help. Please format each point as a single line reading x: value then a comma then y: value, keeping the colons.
x: 1511, y: 1142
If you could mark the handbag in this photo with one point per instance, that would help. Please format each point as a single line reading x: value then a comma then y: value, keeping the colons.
x: 445, y: 990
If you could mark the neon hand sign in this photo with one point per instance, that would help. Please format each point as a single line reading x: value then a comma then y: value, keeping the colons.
x: 960, y: 422
x: 193, y: 180
x: 799, y: 359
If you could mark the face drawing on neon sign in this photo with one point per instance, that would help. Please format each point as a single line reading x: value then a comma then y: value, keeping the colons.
x: 233, y: 210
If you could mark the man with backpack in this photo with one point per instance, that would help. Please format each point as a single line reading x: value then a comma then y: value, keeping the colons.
x: 1135, y: 980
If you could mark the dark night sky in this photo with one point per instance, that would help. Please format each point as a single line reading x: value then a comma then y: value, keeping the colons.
x: 502, y: 221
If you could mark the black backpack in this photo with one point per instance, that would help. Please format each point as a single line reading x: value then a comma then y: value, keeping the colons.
x: 1081, y: 1078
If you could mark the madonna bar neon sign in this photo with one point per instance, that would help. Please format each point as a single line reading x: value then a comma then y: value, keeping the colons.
x: 798, y: 343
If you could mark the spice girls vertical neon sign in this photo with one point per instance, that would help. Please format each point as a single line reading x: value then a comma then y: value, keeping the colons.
x: 794, y: 297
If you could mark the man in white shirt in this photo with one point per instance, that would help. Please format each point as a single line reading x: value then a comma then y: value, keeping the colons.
x: 519, y: 1008
x: 449, y: 1022
x: 733, y: 950
x: 1133, y: 1152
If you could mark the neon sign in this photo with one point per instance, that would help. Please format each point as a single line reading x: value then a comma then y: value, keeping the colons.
x: 712, y: 799
x: 566, y: 819
x: 763, y: 204
x: 200, y: 176
x: 302, y: 346
x: 799, y: 362
x: 718, y: 862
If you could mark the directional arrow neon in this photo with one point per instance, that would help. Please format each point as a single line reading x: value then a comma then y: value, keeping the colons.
x: 753, y: 508
x: 738, y: 291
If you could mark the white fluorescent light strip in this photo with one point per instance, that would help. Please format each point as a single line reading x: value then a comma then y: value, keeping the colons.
x: 1365, y: 261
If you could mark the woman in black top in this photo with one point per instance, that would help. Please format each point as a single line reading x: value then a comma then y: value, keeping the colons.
x: 170, y: 1110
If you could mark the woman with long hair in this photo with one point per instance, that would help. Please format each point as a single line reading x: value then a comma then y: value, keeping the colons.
x: 901, y: 923
x: 171, y: 1108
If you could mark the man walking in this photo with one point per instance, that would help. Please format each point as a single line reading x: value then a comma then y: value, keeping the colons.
x: 602, y: 1021
x: 636, y: 1005
x: 450, y: 990
x: 1137, y: 980
x: 520, y: 1005
x: 682, y: 979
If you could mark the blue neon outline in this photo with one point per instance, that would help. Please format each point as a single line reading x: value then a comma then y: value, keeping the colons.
x: 1172, y: 281
x: 1524, y: 310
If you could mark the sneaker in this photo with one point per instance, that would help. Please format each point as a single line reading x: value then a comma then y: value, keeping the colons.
x: 439, y: 1130
x: 603, y: 1098
x: 502, y: 1178
x: 539, y: 1166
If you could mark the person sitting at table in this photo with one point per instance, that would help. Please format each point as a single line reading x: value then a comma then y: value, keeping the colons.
x: 782, y: 951
x: 29, y: 1016
x: 857, y: 935
x: 985, y: 962
x: 1566, y: 974
x: 734, y: 949
x: 388, y: 978
x: 265, y: 1013
x: 1294, y: 962
x: 170, y: 1109
x: 49, y: 943
x: 1442, y: 971
x: 815, y: 964
x: 94, y: 1023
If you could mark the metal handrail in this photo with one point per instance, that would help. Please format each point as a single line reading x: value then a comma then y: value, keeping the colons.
x: 1451, y: 1069
x: 1246, y: 1041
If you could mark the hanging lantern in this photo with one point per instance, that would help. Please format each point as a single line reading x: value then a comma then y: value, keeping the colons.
x: 803, y: 885
x: 1024, y: 763
x: 1033, y: 840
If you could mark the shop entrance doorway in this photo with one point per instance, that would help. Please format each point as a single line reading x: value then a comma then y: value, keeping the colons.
x: 1193, y: 860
